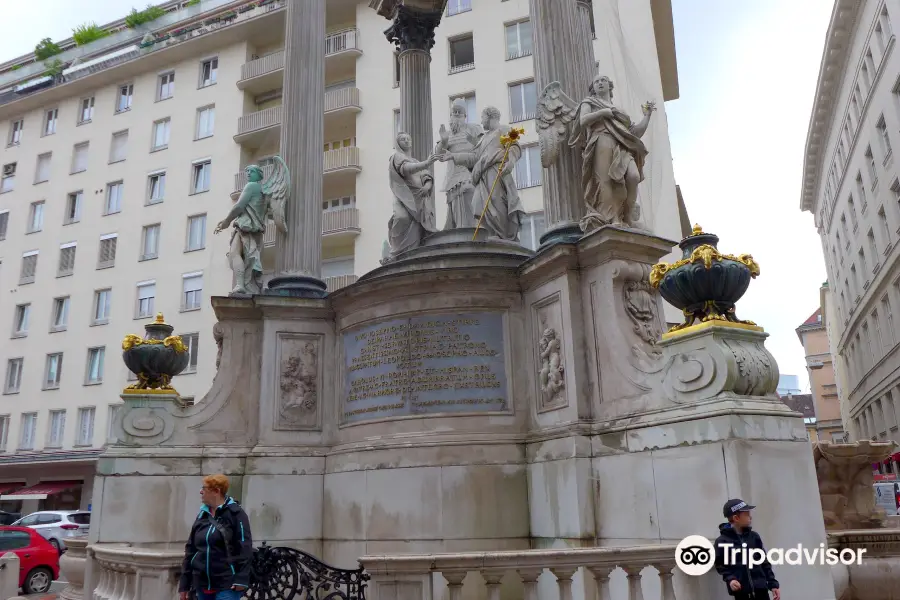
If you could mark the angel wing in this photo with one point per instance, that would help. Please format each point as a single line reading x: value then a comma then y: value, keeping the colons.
x: 276, y: 189
x: 555, y: 111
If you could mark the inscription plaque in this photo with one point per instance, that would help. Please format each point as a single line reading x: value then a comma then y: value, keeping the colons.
x: 424, y: 365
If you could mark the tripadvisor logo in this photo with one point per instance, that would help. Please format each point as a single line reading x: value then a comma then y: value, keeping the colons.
x: 695, y: 555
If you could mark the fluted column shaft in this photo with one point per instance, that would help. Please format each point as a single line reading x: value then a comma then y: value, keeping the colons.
x: 298, y: 254
x: 563, y: 52
x: 415, y: 100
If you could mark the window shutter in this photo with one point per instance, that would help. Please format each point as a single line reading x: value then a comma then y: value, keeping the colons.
x: 29, y: 267
x: 108, y: 251
x: 80, y: 161
x: 4, y: 223
x: 120, y: 140
x: 66, y: 260
x: 147, y: 291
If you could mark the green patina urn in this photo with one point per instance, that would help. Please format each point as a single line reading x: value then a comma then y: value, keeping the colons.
x: 155, y: 358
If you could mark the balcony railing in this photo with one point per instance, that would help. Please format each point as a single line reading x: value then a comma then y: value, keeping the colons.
x: 333, y: 221
x: 462, y: 67
x: 390, y: 573
x: 259, y: 120
x: 342, y: 158
x: 263, y: 65
x: 341, y: 281
x: 341, y: 41
x: 521, y: 117
x: 343, y: 98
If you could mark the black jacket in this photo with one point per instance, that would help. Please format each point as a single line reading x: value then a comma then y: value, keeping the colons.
x: 219, y: 550
x: 761, y: 577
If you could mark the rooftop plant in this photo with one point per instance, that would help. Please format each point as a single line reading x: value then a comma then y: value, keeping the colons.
x: 192, y: 3
x: 54, y: 67
x: 136, y: 17
x: 45, y: 49
x: 87, y: 33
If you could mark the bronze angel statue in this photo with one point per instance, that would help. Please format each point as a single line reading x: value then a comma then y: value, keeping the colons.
x: 612, y: 153
x: 260, y: 200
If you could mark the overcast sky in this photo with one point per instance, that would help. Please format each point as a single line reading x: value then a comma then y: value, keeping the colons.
x: 747, y: 71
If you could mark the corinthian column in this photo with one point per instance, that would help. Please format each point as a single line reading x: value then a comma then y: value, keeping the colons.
x: 298, y: 254
x: 563, y: 52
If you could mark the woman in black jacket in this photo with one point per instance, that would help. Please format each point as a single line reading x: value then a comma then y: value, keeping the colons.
x: 219, y: 550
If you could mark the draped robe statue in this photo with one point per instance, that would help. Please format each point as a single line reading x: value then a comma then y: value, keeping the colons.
x: 461, y: 137
x: 413, y: 188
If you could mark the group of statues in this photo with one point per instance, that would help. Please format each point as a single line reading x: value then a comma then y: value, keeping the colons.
x: 612, y: 155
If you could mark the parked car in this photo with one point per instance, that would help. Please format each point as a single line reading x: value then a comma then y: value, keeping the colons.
x: 38, y: 560
x: 57, y: 525
x: 8, y: 518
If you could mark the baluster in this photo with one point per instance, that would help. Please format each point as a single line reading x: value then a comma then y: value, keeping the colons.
x: 97, y: 592
x: 564, y: 581
x: 530, y: 581
x: 667, y: 589
x: 492, y: 581
x: 454, y: 583
x: 601, y: 576
x: 634, y: 581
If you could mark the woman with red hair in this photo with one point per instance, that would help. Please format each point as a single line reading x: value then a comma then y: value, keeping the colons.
x: 219, y: 550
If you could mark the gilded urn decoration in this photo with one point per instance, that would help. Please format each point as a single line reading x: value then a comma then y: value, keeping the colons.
x: 705, y: 284
x: 154, y: 358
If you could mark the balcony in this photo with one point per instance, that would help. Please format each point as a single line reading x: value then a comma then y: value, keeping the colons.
x: 341, y: 51
x: 342, y: 160
x: 336, y: 224
x: 263, y: 74
x: 339, y: 281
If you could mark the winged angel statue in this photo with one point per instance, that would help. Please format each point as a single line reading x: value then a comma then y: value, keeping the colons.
x: 612, y: 153
x: 260, y: 200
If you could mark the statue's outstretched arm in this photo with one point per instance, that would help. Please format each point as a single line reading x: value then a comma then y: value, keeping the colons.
x: 239, y: 206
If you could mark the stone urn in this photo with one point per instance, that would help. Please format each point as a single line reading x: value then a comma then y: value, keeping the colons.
x: 705, y: 284
x: 72, y: 565
x: 155, y: 358
x: 845, y: 479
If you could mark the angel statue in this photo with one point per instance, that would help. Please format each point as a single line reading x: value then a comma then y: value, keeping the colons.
x: 612, y: 153
x: 260, y: 200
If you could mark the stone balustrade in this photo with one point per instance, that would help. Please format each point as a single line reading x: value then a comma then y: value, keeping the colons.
x: 261, y: 119
x: 265, y: 64
x: 72, y: 566
x: 408, y: 576
x: 126, y: 573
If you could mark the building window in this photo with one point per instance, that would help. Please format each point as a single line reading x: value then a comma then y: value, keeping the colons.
x: 206, y: 121
x: 471, y: 109
x: 146, y: 295
x: 36, y: 217
x: 334, y: 204
x: 208, y: 70
x: 518, y: 40
x: 533, y: 227
x: 20, y: 325
x: 87, y: 110
x: 851, y: 205
x: 13, y: 375
x: 73, y: 208
x: 873, y: 250
x: 53, y: 371
x: 15, y: 132
x: 8, y: 178
x: 29, y: 267
x: 192, y: 341
x: 885, y: 21
x: 192, y: 295
x: 4, y: 432
x: 114, y: 410
x: 106, y: 258
x: 50, y: 118
x: 866, y: 77
x: 150, y: 242
x: 119, y: 146
x: 454, y: 7
x: 85, y: 426
x: 57, y: 429
x: 156, y: 187
x: 890, y: 337
x: 29, y: 430
x: 80, y: 157
x: 95, y: 359
x: 126, y: 93
x: 166, y: 86
x: 42, y: 171
x: 66, y: 259
x: 880, y: 41
x: 102, y: 300
x: 462, y: 54
x: 161, y: 134
x: 885, y: 138
x: 879, y: 341
x: 845, y: 229
x: 60, y: 314
x: 200, y: 177
x: 870, y: 161
x: 528, y: 168
x: 885, y: 228
x: 113, y: 198
x: 196, y: 233
x: 522, y: 101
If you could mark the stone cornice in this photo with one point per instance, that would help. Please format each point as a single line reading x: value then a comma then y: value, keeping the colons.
x: 843, y: 24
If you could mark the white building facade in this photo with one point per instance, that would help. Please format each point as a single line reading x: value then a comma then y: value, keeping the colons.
x: 851, y: 185
x: 116, y: 172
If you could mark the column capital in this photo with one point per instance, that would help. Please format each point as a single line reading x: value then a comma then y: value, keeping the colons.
x: 413, y: 29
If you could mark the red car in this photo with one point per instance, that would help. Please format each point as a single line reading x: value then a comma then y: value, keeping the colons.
x: 38, y: 560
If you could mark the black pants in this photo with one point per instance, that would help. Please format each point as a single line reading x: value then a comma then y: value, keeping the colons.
x: 757, y: 594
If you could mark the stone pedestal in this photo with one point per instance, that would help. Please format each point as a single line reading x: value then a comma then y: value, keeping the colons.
x: 72, y: 566
x: 845, y: 483
x: 9, y: 575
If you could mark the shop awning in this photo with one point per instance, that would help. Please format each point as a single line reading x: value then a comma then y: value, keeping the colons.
x: 6, y: 488
x: 40, y: 491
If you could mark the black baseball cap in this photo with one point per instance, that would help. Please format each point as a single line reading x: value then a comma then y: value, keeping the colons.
x: 733, y: 507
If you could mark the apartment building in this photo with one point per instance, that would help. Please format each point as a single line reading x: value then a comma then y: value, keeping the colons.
x: 118, y: 167
x: 851, y: 186
x: 827, y: 424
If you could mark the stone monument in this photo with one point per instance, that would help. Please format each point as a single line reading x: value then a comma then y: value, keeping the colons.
x: 461, y: 137
x: 412, y: 186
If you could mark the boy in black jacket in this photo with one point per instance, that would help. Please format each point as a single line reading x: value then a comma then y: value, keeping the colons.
x: 743, y: 582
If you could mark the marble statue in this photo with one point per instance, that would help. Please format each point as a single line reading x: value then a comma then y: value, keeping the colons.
x: 461, y: 137
x: 503, y: 217
x: 413, y: 187
x: 259, y: 201
x: 552, y: 373
x: 612, y: 151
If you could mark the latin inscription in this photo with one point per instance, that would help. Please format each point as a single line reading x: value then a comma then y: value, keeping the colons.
x: 434, y: 364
